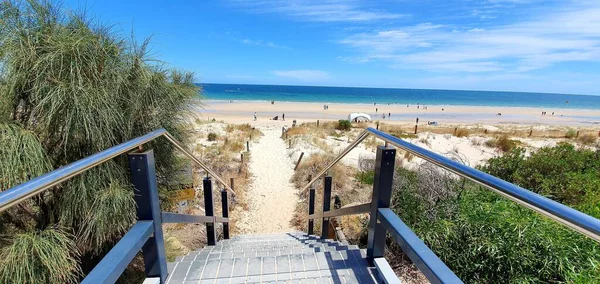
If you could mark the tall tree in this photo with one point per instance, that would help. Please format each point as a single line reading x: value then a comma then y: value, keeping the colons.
x: 70, y: 88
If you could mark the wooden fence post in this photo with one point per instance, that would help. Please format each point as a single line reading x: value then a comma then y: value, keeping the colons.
x: 299, y: 159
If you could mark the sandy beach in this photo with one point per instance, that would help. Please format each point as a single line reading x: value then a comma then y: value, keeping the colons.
x: 271, y: 196
x: 243, y: 111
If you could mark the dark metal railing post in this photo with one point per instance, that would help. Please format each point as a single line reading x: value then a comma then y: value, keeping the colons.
x: 382, y: 195
x: 225, y: 209
x: 209, y: 208
x: 326, y: 206
x: 311, y: 210
x: 143, y: 177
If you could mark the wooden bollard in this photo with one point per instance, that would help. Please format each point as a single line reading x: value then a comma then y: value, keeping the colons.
x: 299, y: 159
x: 416, y: 128
x: 598, y: 133
x: 247, y: 146
x: 242, y: 157
x: 455, y: 130
x: 530, y: 132
x: 317, y: 123
x: 577, y: 135
x: 378, y: 125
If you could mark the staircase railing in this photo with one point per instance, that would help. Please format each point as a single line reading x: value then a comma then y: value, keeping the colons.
x: 146, y: 234
x: 383, y: 220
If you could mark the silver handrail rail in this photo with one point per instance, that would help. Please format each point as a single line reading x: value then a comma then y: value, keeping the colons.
x: 17, y: 194
x: 362, y: 136
x: 573, y: 219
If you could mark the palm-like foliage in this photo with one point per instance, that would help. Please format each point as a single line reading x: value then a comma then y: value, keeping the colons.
x: 68, y: 89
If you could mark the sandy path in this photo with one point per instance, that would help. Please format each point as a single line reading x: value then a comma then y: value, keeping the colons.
x: 271, y: 196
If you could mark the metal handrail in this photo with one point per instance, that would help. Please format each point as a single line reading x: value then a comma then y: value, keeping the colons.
x: 352, y: 145
x: 17, y: 194
x: 578, y: 221
x: 573, y: 219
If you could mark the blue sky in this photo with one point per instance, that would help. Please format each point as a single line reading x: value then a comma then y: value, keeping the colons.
x: 512, y: 45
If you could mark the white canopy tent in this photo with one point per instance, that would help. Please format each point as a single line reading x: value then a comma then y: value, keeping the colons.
x: 359, y: 116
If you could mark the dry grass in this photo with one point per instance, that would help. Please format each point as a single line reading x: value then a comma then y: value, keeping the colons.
x: 425, y: 141
x: 224, y: 158
x: 347, y: 189
x: 587, y: 139
x: 503, y: 143
x: 461, y: 132
x: 297, y: 131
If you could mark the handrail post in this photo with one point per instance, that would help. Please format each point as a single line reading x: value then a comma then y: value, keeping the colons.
x: 209, y: 209
x: 143, y: 177
x: 326, y: 206
x: 311, y: 210
x: 225, y: 209
x: 382, y: 195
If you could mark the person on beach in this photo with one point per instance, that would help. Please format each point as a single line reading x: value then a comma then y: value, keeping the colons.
x: 255, y: 116
x: 283, y: 116
x: 376, y: 109
x: 389, y: 114
x: 417, y: 120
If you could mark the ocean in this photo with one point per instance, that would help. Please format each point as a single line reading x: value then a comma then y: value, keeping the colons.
x: 396, y: 96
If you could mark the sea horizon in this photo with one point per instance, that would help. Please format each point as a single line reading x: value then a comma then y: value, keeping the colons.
x: 369, y: 95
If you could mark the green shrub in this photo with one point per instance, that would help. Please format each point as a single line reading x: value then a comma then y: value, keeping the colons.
x: 343, y: 125
x: 485, y: 238
x: 366, y: 177
x: 571, y: 133
x: 562, y: 173
x: 212, y: 136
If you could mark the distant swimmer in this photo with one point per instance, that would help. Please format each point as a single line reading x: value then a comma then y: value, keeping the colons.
x: 255, y: 116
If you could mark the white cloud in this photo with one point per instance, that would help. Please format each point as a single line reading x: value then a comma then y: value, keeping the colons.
x: 263, y: 43
x: 303, y: 75
x: 563, y: 36
x: 319, y: 10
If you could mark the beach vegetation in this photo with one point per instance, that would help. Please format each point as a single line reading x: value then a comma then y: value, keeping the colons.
x: 503, y: 143
x: 366, y: 177
x: 587, y: 139
x: 343, y: 125
x: 347, y: 190
x: 485, y: 238
x: 571, y: 133
x: 212, y: 136
x: 563, y: 173
x: 461, y: 132
x: 71, y: 87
